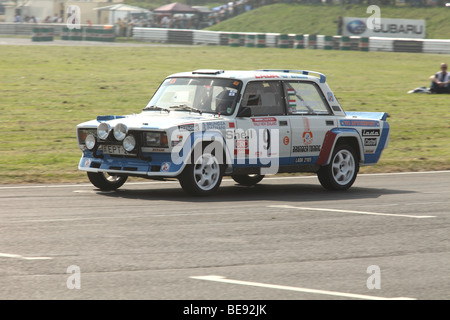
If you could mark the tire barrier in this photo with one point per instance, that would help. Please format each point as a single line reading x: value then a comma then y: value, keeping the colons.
x: 301, y: 41
x: 283, y: 41
x: 42, y: 34
x: 234, y: 40
x: 88, y: 34
x: 345, y: 43
x: 96, y: 34
x: 328, y: 43
x: 250, y: 40
x: 312, y: 41
x: 363, y: 44
x: 260, y: 40
x: 72, y: 34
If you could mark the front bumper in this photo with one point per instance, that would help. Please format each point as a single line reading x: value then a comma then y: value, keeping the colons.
x: 158, y: 165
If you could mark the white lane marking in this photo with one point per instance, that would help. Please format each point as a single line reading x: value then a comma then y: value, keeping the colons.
x: 226, y: 180
x: 351, y: 211
x: 18, y: 256
x: 298, y: 289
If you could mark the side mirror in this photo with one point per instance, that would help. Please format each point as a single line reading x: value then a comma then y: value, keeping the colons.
x: 244, y: 112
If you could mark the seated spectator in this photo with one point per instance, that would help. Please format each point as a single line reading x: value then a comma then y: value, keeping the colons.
x: 440, y: 82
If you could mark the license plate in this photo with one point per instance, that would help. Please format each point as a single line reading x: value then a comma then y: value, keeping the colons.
x: 114, y: 149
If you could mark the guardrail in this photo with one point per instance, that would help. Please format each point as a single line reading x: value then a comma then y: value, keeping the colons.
x: 246, y: 39
x: 241, y: 39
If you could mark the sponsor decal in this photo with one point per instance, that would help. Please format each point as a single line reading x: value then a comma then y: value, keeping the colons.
x: 292, y: 101
x: 307, y: 134
x: 165, y: 166
x: 286, y: 140
x: 359, y: 123
x: 310, y: 148
x: 303, y: 160
x: 241, y: 147
x: 87, y: 163
x: 370, y: 142
x: 216, y: 125
x: 330, y: 96
x: 264, y: 121
x: 371, y: 132
x: 158, y: 150
x: 189, y: 127
x: 231, y: 125
x: 266, y: 76
x: 296, y: 76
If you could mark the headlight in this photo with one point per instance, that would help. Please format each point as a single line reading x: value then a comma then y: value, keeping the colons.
x: 156, y: 139
x: 129, y: 143
x: 90, y: 141
x: 103, y: 130
x: 120, y: 131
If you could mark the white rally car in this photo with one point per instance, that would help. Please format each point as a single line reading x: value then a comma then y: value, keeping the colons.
x: 202, y: 125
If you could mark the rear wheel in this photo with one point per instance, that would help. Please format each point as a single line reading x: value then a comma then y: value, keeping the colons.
x: 203, y: 177
x: 341, y: 172
x: 106, y: 182
x: 247, y: 179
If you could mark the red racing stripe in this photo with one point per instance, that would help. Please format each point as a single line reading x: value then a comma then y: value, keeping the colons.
x: 328, y: 143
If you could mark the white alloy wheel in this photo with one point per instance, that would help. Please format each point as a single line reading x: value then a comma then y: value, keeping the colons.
x: 341, y: 172
x: 343, y: 167
x: 206, y: 172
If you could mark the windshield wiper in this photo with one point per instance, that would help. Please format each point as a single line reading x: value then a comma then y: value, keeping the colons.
x: 156, y: 108
x: 186, y: 107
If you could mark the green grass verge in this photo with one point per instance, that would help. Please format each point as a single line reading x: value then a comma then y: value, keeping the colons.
x: 318, y: 19
x: 47, y: 90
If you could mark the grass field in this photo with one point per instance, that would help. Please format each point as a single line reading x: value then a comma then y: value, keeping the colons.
x: 45, y: 91
x: 319, y: 19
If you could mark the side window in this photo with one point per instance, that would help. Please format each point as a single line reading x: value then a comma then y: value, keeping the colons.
x: 305, y: 98
x: 264, y: 98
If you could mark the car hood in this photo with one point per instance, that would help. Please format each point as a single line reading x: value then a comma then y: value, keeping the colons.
x: 149, y: 120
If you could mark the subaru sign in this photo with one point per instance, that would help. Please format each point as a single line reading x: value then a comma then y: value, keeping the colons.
x: 390, y: 28
x: 356, y: 27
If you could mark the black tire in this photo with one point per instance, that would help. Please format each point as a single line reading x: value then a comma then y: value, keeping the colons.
x: 203, y: 176
x: 106, y: 182
x: 341, y: 172
x: 247, y: 179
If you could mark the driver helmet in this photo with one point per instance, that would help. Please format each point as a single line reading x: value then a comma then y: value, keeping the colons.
x: 224, y: 101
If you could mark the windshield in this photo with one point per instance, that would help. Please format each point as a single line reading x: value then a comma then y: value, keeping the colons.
x: 210, y: 95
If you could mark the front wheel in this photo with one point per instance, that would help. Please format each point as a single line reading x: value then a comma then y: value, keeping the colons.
x: 203, y: 177
x: 341, y: 172
x: 247, y: 179
x: 106, y: 182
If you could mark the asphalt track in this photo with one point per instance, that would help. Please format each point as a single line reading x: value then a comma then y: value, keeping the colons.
x: 285, y: 239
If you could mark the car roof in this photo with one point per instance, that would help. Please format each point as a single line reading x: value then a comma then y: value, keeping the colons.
x: 248, y: 75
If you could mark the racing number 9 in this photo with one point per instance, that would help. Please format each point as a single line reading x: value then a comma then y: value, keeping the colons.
x: 266, y: 138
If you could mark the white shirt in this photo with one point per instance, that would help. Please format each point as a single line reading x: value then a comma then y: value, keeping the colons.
x: 439, y: 77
